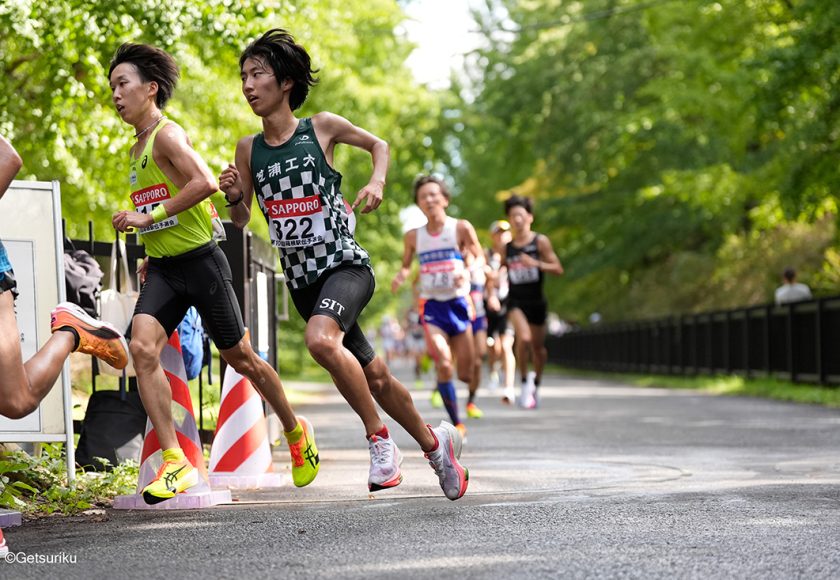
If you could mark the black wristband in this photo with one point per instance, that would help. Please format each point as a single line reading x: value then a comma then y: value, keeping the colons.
x: 233, y: 203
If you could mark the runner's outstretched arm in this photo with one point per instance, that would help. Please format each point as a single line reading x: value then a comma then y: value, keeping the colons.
x: 549, y: 262
x: 409, y: 243
x: 332, y: 129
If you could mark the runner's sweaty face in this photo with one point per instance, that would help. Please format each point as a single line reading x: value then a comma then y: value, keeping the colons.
x: 130, y: 94
x: 260, y: 87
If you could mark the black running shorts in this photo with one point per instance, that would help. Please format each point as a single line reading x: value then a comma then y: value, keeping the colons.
x: 341, y: 294
x: 199, y: 278
x: 536, y: 311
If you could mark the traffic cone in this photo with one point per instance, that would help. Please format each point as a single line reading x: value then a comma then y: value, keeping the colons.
x: 240, y: 457
x: 151, y: 457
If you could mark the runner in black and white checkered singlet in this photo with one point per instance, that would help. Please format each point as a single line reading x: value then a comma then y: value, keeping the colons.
x: 299, y: 194
x: 289, y: 166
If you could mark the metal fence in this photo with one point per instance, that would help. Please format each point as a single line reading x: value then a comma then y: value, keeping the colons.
x: 798, y: 342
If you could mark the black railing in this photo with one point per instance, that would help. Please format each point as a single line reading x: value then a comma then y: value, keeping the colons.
x: 798, y: 342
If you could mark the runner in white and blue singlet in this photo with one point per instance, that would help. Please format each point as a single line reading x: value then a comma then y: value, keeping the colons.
x: 445, y: 248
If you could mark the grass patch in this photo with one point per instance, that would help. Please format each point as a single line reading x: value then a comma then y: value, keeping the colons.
x: 731, y: 385
x: 37, y: 485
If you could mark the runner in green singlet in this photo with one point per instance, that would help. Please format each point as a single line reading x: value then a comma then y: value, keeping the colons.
x: 170, y: 186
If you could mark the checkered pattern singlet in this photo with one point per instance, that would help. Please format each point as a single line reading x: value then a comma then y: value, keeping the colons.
x: 300, y: 197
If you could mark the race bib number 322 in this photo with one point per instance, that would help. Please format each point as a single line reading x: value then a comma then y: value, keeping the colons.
x: 296, y: 223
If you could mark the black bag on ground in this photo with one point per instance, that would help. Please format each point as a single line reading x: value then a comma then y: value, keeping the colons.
x: 113, y: 428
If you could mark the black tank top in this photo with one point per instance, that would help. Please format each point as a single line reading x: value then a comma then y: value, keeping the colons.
x: 526, y: 282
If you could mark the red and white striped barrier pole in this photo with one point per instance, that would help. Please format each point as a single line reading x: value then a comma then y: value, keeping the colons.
x: 240, y: 457
x: 151, y: 457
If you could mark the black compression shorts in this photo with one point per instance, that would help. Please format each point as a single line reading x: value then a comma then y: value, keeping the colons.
x: 341, y: 294
x: 200, y: 278
x: 535, y: 311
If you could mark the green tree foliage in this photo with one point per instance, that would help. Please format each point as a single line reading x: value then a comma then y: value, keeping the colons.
x: 55, y: 100
x: 678, y: 151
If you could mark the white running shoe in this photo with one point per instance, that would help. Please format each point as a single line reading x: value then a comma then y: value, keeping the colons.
x: 508, y: 396
x: 385, y: 461
x: 444, y: 460
x: 529, y: 389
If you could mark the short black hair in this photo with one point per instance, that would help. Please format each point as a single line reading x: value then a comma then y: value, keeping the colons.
x: 517, y: 200
x: 287, y: 59
x: 424, y: 179
x: 789, y: 274
x: 153, y: 64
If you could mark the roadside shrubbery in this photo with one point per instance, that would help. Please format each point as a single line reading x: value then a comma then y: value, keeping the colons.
x: 38, y: 484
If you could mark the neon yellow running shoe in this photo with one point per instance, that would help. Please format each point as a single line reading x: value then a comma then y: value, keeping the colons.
x: 305, y: 459
x: 172, y: 478
x: 473, y: 412
x: 437, y: 399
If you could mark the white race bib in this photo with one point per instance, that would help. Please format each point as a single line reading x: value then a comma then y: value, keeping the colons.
x: 437, y: 280
x: 296, y: 223
x: 147, y: 200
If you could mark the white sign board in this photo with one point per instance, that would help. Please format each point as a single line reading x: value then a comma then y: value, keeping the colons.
x: 30, y: 228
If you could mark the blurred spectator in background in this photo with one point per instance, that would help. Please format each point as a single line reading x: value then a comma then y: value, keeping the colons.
x: 791, y: 290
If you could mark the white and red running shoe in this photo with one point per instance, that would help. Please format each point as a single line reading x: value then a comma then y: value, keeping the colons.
x: 385, y: 461
x: 453, y: 477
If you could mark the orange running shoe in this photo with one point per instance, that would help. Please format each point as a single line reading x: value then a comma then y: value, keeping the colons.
x: 97, y: 338
x: 473, y: 412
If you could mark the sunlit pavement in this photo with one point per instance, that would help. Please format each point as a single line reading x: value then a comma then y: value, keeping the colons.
x: 603, y: 480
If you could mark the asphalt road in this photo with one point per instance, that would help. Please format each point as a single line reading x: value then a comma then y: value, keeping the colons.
x: 604, y: 480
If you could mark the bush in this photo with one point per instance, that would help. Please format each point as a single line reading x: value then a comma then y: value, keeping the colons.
x: 38, y: 485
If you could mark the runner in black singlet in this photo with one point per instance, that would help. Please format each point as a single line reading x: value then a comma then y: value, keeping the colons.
x: 528, y: 256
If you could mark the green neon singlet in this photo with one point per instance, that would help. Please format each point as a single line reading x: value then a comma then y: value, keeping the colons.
x: 177, y: 234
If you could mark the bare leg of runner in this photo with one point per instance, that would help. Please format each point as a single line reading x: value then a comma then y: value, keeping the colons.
x: 324, y: 341
x: 23, y: 386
